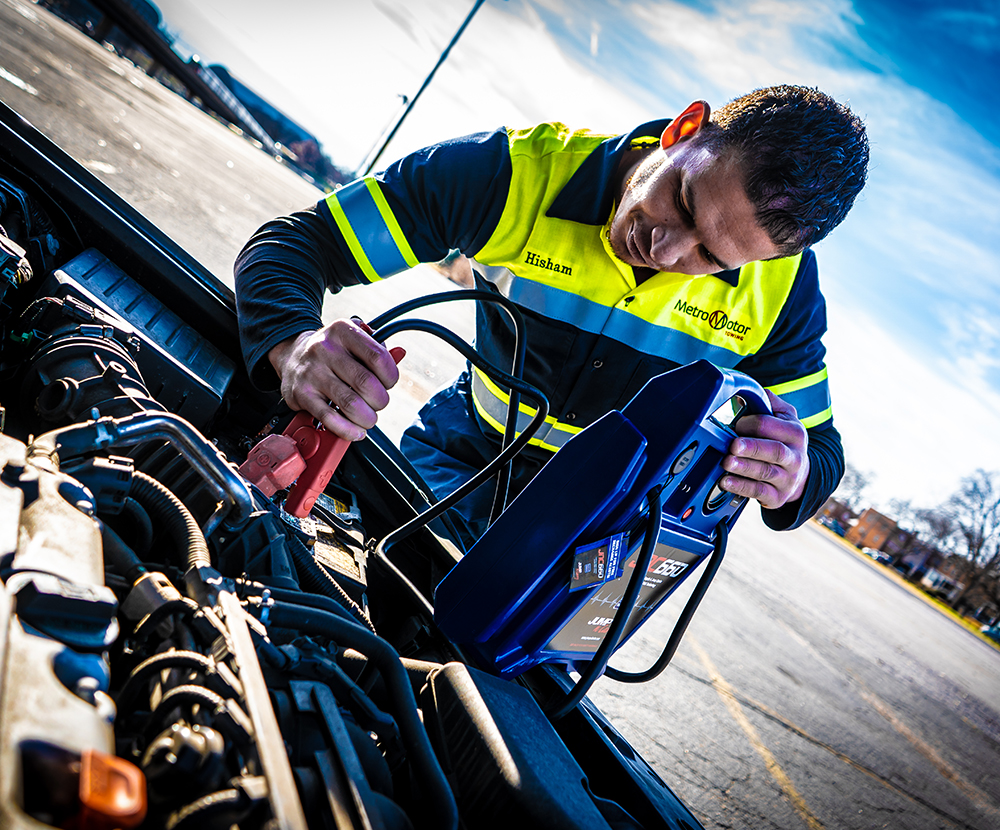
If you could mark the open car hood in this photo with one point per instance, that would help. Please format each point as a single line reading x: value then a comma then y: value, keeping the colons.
x: 175, y: 650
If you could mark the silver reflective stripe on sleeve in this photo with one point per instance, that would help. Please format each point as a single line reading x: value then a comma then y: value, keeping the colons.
x: 491, y: 404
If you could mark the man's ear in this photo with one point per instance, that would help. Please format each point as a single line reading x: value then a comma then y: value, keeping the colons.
x: 687, y: 124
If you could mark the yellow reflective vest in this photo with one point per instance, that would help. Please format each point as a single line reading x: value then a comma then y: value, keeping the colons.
x: 595, y: 336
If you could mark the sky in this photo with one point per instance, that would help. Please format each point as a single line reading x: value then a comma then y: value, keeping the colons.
x: 912, y: 277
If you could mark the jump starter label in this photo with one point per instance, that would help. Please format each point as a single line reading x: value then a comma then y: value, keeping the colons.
x: 597, y: 563
x: 585, y: 630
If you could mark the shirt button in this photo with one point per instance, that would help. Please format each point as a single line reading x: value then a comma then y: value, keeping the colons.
x: 570, y: 416
x: 597, y: 364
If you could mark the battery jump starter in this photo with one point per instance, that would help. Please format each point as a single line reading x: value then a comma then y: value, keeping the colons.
x: 545, y: 582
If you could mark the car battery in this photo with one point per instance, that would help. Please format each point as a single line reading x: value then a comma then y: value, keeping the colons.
x: 546, y: 579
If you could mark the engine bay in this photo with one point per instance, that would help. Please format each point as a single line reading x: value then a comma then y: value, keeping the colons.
x: 177, y: 650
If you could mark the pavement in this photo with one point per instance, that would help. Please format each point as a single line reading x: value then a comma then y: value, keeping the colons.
x: 973, y: 626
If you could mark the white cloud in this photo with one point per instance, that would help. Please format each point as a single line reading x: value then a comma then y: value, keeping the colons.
x: 919, y: 430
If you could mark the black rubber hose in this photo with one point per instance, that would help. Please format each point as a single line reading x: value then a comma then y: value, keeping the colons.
x: 149, y: 623
x: 122, y: 559
x: 147, y: 669
x: 721, y: 537
x: 424, y: 763
x: 622, y: 615
x: 319, y: 601
x: 180, y: 523
x: 218, y: 809
x: 188, y: 694
x: 142, y: 525
x: 314, y: 578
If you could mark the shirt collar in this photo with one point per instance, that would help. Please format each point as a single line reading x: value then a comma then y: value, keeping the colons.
x: 590, y: 194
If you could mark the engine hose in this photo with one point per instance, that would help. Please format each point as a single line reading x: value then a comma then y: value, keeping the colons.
x: 152, y: 666
x: 210, y: 703
x: 317, y: 580
x: 121, y: 557
x: 180, y: 523
x: 320, y: 601
x: 148, y: 624
x: 226, y: 807
x: 721, y: 537
x: 416, y: 670
x: 424, y: 763
x: 142, y: 525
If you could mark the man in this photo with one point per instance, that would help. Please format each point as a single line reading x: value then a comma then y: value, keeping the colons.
x: 630, y: 255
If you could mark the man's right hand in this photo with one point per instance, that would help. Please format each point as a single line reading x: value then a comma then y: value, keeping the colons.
x: 339, y: 374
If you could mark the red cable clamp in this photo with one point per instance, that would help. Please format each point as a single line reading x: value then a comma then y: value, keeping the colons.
x: 322, y: 452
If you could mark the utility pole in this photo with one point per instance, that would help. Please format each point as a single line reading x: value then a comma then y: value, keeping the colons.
x: 444, y: 55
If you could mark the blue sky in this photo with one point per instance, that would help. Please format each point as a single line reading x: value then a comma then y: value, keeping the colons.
x: 912, y: 278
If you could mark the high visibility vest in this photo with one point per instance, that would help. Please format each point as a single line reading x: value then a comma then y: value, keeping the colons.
x: 594, y: 335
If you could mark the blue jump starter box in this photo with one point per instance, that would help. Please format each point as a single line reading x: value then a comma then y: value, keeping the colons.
x: 545, y: 580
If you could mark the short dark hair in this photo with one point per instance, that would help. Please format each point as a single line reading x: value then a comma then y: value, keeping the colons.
x: 804, y: 159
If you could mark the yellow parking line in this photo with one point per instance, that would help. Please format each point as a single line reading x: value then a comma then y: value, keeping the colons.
x: 973, y: 793
x: 725, y: 691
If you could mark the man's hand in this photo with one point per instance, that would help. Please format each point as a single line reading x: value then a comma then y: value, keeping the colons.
x: 769, y: 463
x: 339, y: 374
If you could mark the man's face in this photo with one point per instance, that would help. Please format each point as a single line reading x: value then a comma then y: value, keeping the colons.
x: 685, y: 211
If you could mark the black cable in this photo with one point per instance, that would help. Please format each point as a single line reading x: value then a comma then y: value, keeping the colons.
x: 379, y: 652
x: 509, y: 305
x: 721, y: 537
x: 149, y: 623
x: 517, y: 367
x: 490, y: 469
x: 622, y: 615
x: 122, y: 559
x: 142, y: 525
x: 403, y: 579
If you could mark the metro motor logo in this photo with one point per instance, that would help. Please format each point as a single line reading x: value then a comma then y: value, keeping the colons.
x: 718, y: 319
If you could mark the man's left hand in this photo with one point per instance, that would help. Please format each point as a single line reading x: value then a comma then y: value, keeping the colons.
x: 769, y: 462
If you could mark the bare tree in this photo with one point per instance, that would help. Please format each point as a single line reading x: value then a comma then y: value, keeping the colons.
x: 853, y: 485
x: 935, y: 526
x: 927, y: 527
x: 903, y: 512
x: 974, y: 511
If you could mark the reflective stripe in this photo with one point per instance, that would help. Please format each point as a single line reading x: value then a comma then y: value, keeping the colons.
x: 370, y: 230
x: 809, y: 395
x: 618, y: 324
x: 491, y: 404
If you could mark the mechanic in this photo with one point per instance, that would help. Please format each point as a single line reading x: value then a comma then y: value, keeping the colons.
x: 629, y: 255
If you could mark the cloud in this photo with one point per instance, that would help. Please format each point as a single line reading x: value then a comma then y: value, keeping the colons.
x: 978, y: 29
x: 918, y: 429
